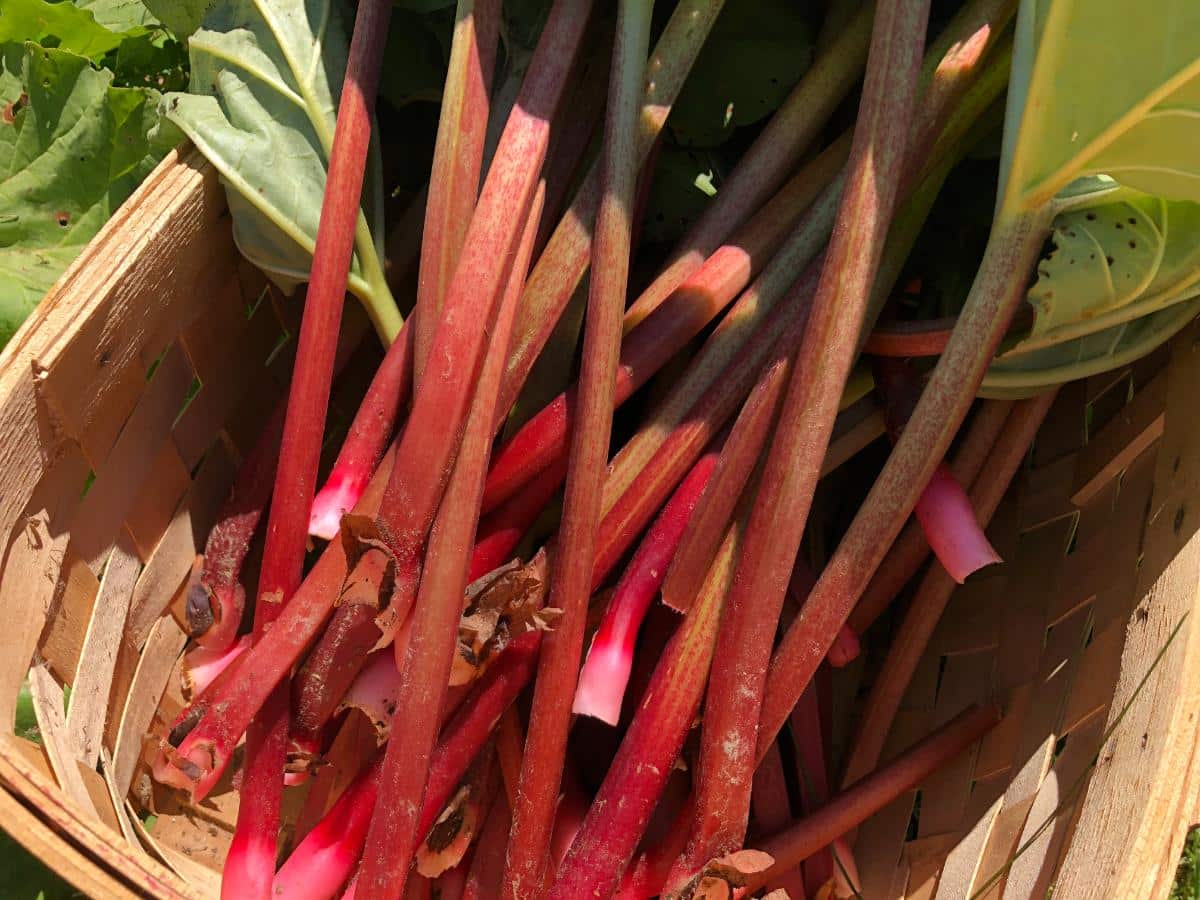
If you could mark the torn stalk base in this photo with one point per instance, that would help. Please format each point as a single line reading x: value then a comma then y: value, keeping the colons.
x: 550, y: 716
x: 994, y: 296
x: 250, y: 863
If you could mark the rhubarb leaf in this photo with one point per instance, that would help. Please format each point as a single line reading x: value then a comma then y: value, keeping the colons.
x: 72, y: 148
x: 1091, y: 95
x: 119, y: 15
x: 262, y: 108
x: 66, y: 26
x: 183, y: 17
x: 752, y: 59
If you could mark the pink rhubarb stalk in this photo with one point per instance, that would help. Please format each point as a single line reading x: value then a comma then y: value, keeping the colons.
x: 638, y: 775
x: 457, y: 161
x: 203, y: 665
x: 911, y: 549
x: 866, y: 797
x: 936, y: 588
x: 250, y: 863
x: 605, y: 672
x: 396, y: 831
x: 944, y: 512
x: 793, y: 465
x: 545, y: 744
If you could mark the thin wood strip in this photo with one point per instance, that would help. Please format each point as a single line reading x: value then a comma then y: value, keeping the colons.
x: 157, y: 499
x: 62, y: 640
x: 118, y: 800
x: 1121, y: 441
x: 961, y: 867
x: 172, y: 559
x: 112, y: 492
x: 155, y: 664
x: 32, y: 833
x: 35, y: 755
x: 48, y: 708
x: 203, y: 881
x: 98, y: 659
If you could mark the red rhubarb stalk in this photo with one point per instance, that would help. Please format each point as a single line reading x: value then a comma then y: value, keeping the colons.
x: 396, y: 830
x: 943, y: 512
x: 867, y: 796
x: 487, y: 862
x: 772, y: 813
x: 215, y: 605
x: 605, y: 672
x: 775, y: 153
x: 369, y: 434
x: 648, y: 872
x: 204, y: 734
x: 250, y: 863
x: 934, y: 593
x: 457, y: 161
x: 691, y: 307
x: 793, y: 465
x: 327, y: 857
x: 635, y: 781
x: 545, y: 744
x: 435, y: 425
x: 911, y: 549
x: 927, y: 337
x: 561, y: 267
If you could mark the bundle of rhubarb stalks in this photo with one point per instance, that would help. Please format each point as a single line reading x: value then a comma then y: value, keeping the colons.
x: 594, y: 656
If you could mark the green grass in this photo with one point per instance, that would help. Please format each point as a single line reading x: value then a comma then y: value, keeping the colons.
x: 1187, y: 878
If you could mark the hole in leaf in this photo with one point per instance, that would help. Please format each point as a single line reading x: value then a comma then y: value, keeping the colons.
x: 1133, y: 244
x: 63, y: 218
x: 1109, y: 260
x: 1091, y: 217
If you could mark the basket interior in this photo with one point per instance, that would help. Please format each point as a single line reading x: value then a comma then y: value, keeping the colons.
x: 128, y: 399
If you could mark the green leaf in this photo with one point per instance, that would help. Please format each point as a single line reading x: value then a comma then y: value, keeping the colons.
x: 1119, y: 269
x: 62, y: 25
x: 72, y: 148
x: 183, y: 17
x: 262, y: 109
x: 1104, y: 87
x: 754, y: 56
x: 119, y: 15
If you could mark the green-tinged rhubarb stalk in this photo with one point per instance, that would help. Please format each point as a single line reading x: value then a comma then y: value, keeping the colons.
x: 545, y: 744
x: 867, y: 796
x: 395, y: 833
x: 457, y: 160
x: 563, y: 263
x: 765, y: 165
x: 930, y: 601
x: 823, y: 362
x: 250, y: 865
x: 1050, y: 159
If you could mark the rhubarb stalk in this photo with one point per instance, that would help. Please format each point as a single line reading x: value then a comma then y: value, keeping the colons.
x: 396, y: 830
x: 605, y: 673
x: 457, y: 161
x: 545, y: 744
x: 810, y: 405
x: 934, y: 593
x: 250, y: 864
x: 872, y: 793
x: 635, y: 781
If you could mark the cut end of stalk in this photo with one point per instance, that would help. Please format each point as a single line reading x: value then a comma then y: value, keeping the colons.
x: 250, y: 857
x: 952, y: 528
x: 846, y: 648
x: 340, y: 495
x: 602, y: 682
x: 202, y: 665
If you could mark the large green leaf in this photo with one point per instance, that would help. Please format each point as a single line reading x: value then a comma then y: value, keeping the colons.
x: 262, y: 108
x: 72, y: 148
x: 1106, y: 87
x: 119, y: 15
x: 182, y: 16
x: 66, y: 26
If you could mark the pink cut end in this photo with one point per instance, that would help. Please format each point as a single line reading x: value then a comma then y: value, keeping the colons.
x: 340, y: 494
x: 374, y: 692
x: 951, y: 527
x: 603, y: 680
x: 249, y: 867
x: 201, y: 665
x: 845, y: 649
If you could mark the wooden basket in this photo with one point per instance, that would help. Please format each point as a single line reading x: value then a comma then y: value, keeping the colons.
x: 125, y: 403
